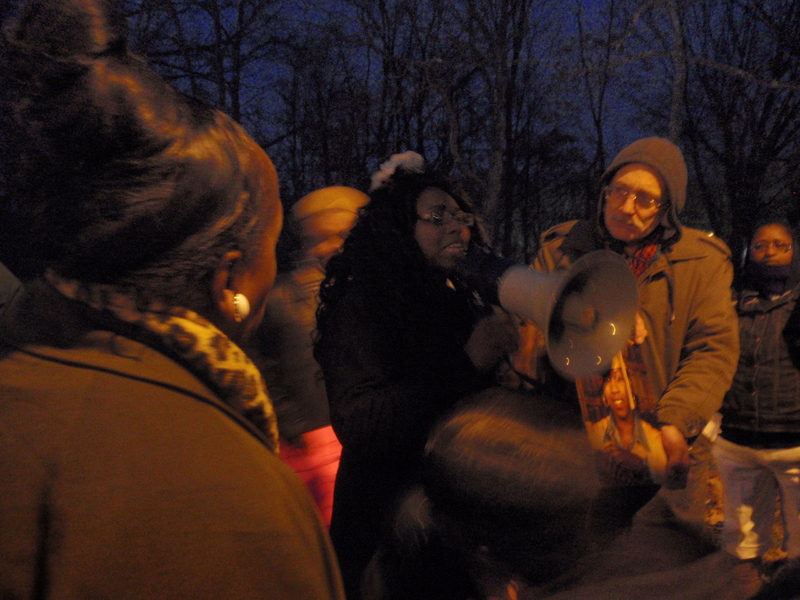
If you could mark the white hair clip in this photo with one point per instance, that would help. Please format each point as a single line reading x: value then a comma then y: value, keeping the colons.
x: 410, y: 162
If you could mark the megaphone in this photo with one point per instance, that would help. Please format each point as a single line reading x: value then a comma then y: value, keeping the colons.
x: 587, y: 313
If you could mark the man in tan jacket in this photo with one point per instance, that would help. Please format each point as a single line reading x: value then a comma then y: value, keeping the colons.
x: 689, y: 338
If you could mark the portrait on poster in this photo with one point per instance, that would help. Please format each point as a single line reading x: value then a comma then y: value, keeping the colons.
x: 619, y: 411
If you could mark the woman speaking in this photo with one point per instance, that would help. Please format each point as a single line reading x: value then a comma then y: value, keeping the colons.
x: 400, y: 340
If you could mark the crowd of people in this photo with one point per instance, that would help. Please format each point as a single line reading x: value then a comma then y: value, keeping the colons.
x: 173, y: 426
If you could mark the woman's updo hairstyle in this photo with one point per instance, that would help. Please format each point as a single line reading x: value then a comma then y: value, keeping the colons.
x: 114, y: 176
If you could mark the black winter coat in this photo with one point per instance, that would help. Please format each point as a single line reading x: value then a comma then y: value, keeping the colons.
x: 765, y: 394
x: 390, y: 375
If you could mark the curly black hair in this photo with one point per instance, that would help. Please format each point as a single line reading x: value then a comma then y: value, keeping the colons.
x: 381, y: 250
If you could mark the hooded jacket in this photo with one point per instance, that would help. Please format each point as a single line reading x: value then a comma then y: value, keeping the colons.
x: 692, y: 345
x: 667, y: 160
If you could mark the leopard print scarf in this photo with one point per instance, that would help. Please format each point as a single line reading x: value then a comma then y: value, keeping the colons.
x: 198, y: 344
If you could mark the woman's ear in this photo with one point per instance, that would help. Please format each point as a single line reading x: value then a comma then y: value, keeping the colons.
x: 223, y: 289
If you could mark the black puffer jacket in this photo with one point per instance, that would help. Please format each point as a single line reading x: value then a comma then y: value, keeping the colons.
x: 765, y: 394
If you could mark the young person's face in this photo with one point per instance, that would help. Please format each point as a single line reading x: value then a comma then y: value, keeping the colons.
x: 772, y: 245
x: 440, y: 231
x: 615, y: 394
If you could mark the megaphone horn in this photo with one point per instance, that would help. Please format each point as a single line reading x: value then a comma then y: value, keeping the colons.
x: 587, y: 313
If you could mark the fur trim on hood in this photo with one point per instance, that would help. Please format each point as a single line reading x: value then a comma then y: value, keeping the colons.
x: 667, y: 160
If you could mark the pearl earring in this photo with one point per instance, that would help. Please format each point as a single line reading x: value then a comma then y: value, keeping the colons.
x: 241, y: 307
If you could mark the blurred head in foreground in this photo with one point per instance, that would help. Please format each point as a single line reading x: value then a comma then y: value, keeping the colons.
x: 325, y: 217
x: 502, y: 501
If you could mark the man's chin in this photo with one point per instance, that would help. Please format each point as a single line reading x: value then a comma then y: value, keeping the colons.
x: 628, y: 235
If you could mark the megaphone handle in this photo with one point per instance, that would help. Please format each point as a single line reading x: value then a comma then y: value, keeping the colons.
x: 536, y: 386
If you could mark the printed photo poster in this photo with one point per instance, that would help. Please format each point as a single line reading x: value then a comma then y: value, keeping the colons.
x: 619, y: 411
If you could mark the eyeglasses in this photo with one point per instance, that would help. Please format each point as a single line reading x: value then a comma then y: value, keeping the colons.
x: 617, y: 195
x: 440, y: 217
x: 764, y: 246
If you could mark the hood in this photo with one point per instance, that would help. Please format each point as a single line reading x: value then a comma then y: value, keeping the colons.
x: 667, y: 160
